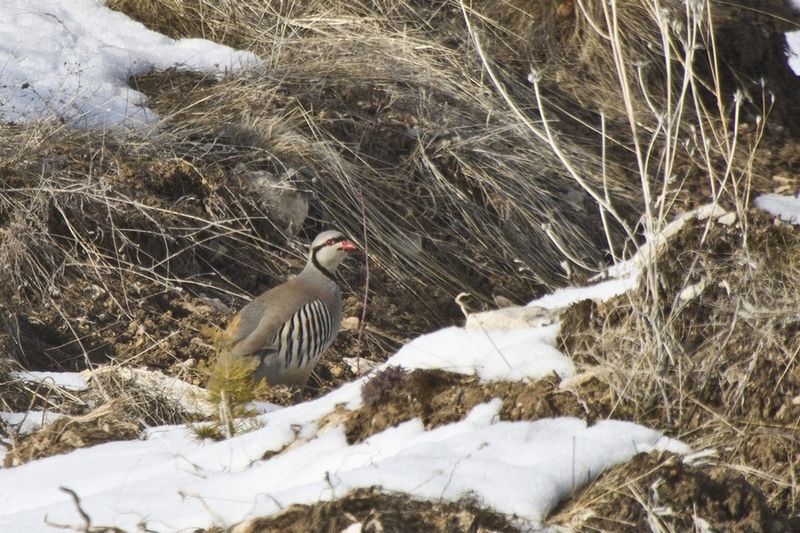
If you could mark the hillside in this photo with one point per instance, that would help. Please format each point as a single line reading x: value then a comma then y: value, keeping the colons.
x: 604, y: 192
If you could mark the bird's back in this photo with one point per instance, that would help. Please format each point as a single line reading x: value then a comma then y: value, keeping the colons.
x: 287, y: 328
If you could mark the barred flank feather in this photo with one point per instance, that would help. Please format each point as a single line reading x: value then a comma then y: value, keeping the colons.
x: 304, y: 337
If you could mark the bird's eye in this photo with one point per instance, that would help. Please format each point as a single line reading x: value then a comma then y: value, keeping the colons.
x: 330, y: 242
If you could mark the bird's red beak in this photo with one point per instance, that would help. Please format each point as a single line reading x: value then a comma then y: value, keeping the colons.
x: 348, y: 246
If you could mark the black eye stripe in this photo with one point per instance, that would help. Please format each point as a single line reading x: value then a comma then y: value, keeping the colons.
x: 324, y: 244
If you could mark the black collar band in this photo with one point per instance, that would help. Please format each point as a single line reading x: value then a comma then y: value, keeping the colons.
x: 319, y: 267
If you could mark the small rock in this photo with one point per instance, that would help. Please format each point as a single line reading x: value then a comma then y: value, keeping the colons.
x: 351, y: 323
x: 353, y: 528
x: 727, y: 219
x: 510, y: 318
x: 502, y: 302
x: 374, y: 526
x: 359, y: 366
x: 693, y: 291
x: 282, y: 194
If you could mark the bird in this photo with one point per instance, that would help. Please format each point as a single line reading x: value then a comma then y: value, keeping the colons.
x: 284, y: 331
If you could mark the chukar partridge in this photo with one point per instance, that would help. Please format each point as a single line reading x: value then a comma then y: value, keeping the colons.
x: 289, y: 327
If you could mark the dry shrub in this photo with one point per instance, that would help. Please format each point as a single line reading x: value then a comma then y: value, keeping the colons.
x: 18, y: 395
x: 385, y: 112
x: 727, y: 301
x: 118, y: 405
x: 385, y: 384
x: 102, y: 237
x: 567, y: 41
x: 393, y: 129
x: 723, y: 367
x: 651, y: 493
x: 13, y: 396
x: 146, y: 398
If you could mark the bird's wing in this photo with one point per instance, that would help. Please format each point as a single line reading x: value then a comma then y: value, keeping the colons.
x: 254, y: 328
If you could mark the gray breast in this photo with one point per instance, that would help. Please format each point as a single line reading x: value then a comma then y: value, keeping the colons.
x: 303, y: 338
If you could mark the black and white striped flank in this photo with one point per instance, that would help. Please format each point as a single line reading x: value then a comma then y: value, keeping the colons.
x: 303, y: 337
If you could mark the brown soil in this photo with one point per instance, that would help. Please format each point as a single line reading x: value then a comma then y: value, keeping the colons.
x: 438, y: 397
x: 380, y: 512
x: 651, y: 490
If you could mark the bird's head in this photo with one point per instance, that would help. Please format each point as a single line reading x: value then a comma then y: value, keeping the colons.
x: 328, y: 249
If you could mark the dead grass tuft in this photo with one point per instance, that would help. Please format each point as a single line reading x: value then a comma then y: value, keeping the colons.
x: 728, y: 303
x: 13, y: 395
x: 142, y: 398
x: 383, y: 386
x: 666, y: 494
x: 20, y: 396
x: 379, y: 511
x: 68, y: 433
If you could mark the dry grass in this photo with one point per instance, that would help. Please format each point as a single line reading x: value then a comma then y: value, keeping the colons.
x: 383, y: 116
x: 729, y: 305
x: 102, y: 239
x: 18, y: 395
x: 68, y: 433
x: 392, y: 134
x: 669, y: 494
x: 394, y: 114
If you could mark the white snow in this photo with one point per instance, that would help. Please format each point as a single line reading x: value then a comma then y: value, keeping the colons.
x: 793, y: 42
x: 492, y: 355
x: 785, y: 207
x: 65, y: 380
x: 71, y: 60
x: 24, y: 423
x: 602, y: 291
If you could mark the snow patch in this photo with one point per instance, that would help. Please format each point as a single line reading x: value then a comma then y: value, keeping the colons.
x: 793, y: 50
x: 72, y: 61
x: 602, y: 291
x: 490, y: 354
x: 24, y: 423
x: 785, y: 207
x: 64, y: 380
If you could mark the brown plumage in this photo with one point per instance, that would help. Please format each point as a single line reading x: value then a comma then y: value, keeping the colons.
x: 290, y: 326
